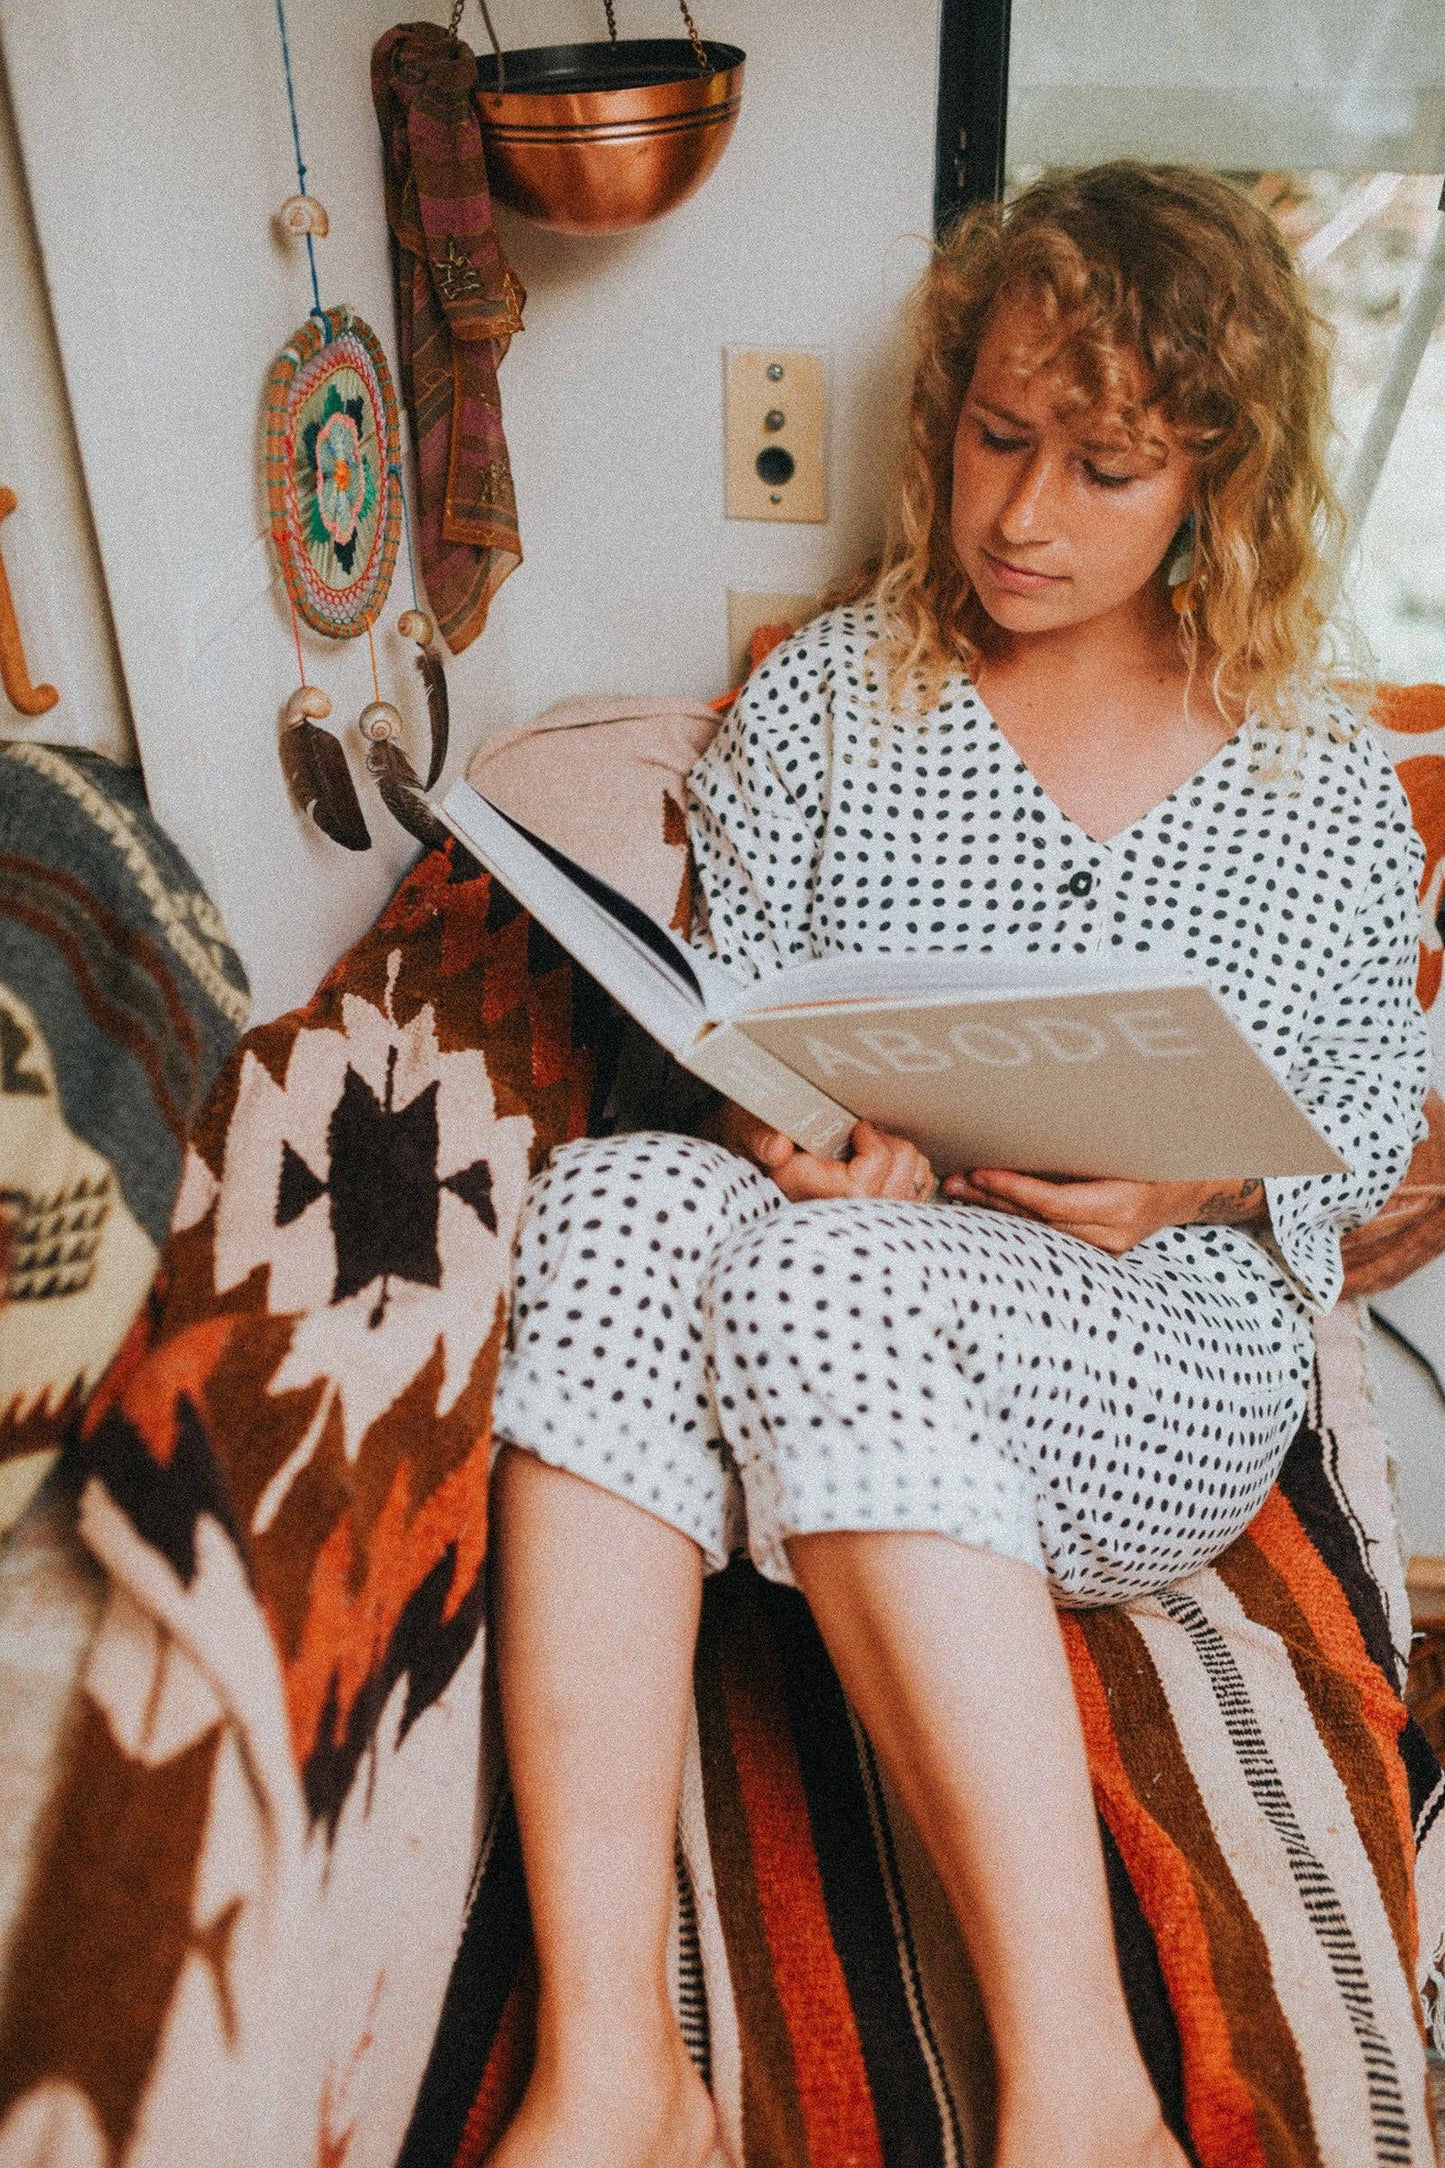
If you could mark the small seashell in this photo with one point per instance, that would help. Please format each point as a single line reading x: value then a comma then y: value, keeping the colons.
x: 300, y: 215
x: 306, y: 700
x: 380, y: 721
x: 416, y: 625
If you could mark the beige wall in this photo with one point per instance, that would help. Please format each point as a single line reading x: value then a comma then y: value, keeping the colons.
x: 807, y: 235
x: 172, y: 294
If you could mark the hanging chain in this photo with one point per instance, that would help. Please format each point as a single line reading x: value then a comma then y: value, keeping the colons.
x: 496, y: 47
x: 698, y: 47
x: 455, y: 24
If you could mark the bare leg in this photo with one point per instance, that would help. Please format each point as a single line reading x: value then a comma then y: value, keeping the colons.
x: 595, y: 1613
x: 953, y: 1659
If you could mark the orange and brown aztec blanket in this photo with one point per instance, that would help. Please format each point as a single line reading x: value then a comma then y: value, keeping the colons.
x: 238, y: 1763
x: 235, y: 1920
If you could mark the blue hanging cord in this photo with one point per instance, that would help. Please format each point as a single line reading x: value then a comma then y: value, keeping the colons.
x: 316, y: 308
x: 400, y: 480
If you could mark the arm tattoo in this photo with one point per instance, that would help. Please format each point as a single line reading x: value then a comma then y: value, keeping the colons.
x: 1233, y: 1204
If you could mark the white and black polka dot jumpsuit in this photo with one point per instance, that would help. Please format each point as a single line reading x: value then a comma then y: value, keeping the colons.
x: 749, y: 1370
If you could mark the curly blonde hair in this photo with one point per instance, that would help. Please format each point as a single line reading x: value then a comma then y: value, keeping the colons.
x: 1177, y: 275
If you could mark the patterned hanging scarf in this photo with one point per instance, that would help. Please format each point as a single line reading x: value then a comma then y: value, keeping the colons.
x: 458, y: 303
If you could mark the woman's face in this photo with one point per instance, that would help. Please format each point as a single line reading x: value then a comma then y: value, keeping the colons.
x: 1060, y: 515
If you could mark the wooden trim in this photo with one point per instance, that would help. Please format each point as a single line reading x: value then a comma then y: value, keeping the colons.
x: 24, y: 695
x: 1425, y: 1586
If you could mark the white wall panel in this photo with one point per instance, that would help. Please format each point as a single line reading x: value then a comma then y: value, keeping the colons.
x: 157, y: 146
x: 48, y: 548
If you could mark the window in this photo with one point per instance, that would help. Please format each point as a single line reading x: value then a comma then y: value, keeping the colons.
x: 1334, y: 114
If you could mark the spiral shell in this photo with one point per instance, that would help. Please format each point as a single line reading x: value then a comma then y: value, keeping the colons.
x: 307, y: 700
x: 380, y: 721
x: 300, y: 215
x: 416, y: 625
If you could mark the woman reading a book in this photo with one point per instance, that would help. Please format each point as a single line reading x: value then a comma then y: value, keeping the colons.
x: 1081, y: 711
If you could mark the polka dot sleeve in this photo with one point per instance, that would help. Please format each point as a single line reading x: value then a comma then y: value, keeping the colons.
x: 1362, y: 1072
x: 756, y: 802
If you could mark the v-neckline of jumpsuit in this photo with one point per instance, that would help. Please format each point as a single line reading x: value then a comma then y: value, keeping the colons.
x: 1191, y: 784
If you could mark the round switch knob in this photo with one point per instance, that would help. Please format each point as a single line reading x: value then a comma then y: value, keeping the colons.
x: 775, y: 466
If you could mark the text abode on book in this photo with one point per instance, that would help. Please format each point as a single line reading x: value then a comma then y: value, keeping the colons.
x: 1049, y: 1067
x: 1151, y: 1030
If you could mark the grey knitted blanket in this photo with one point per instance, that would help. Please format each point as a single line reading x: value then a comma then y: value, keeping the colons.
x: 120, y: 997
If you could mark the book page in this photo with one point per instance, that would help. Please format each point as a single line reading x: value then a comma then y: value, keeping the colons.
x: 943, y: 975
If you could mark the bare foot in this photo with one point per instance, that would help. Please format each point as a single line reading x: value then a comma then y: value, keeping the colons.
x: 614, y: 2105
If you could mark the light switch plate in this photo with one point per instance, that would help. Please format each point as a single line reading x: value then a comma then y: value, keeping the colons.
x: 750, y: 607
x: 787, y: 388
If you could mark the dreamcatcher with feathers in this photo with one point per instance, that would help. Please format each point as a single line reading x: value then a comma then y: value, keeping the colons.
x: 337, y: 511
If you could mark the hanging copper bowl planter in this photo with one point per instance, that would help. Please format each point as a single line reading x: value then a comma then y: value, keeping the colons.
x: 599, y: 138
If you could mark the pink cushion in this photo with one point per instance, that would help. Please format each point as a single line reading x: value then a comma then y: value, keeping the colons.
x: 603, y: 780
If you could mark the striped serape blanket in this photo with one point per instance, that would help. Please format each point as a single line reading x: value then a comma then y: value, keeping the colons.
x: 1261, y: 1797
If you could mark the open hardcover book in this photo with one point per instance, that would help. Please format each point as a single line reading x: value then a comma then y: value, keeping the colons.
x: 1045, y: 1068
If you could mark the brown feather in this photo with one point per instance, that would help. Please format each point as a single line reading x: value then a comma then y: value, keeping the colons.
x: 438, y: 708
x: 314, y: 763
x: 400, y: 788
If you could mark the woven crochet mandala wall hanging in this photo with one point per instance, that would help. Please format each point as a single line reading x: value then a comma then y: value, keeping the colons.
x: 337, y: 513
x: 332, y: 456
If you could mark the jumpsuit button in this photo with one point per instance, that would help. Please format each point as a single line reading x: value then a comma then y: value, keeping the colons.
x: 1080, y: 883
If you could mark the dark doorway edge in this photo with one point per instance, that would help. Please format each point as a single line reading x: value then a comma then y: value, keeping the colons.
x: 973, y: 40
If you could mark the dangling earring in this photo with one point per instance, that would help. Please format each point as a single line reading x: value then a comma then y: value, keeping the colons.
x: 1180, y: 567
x: 1181, y: 555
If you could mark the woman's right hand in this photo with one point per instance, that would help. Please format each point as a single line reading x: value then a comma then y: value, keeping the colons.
x: 881, y: 1165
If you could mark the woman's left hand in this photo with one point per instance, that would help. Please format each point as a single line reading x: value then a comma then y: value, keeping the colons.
x: 1113, y: 1215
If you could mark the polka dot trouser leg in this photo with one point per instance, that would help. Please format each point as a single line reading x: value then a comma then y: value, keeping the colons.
x: 1116, y: 1421
x: 605, y: 1375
